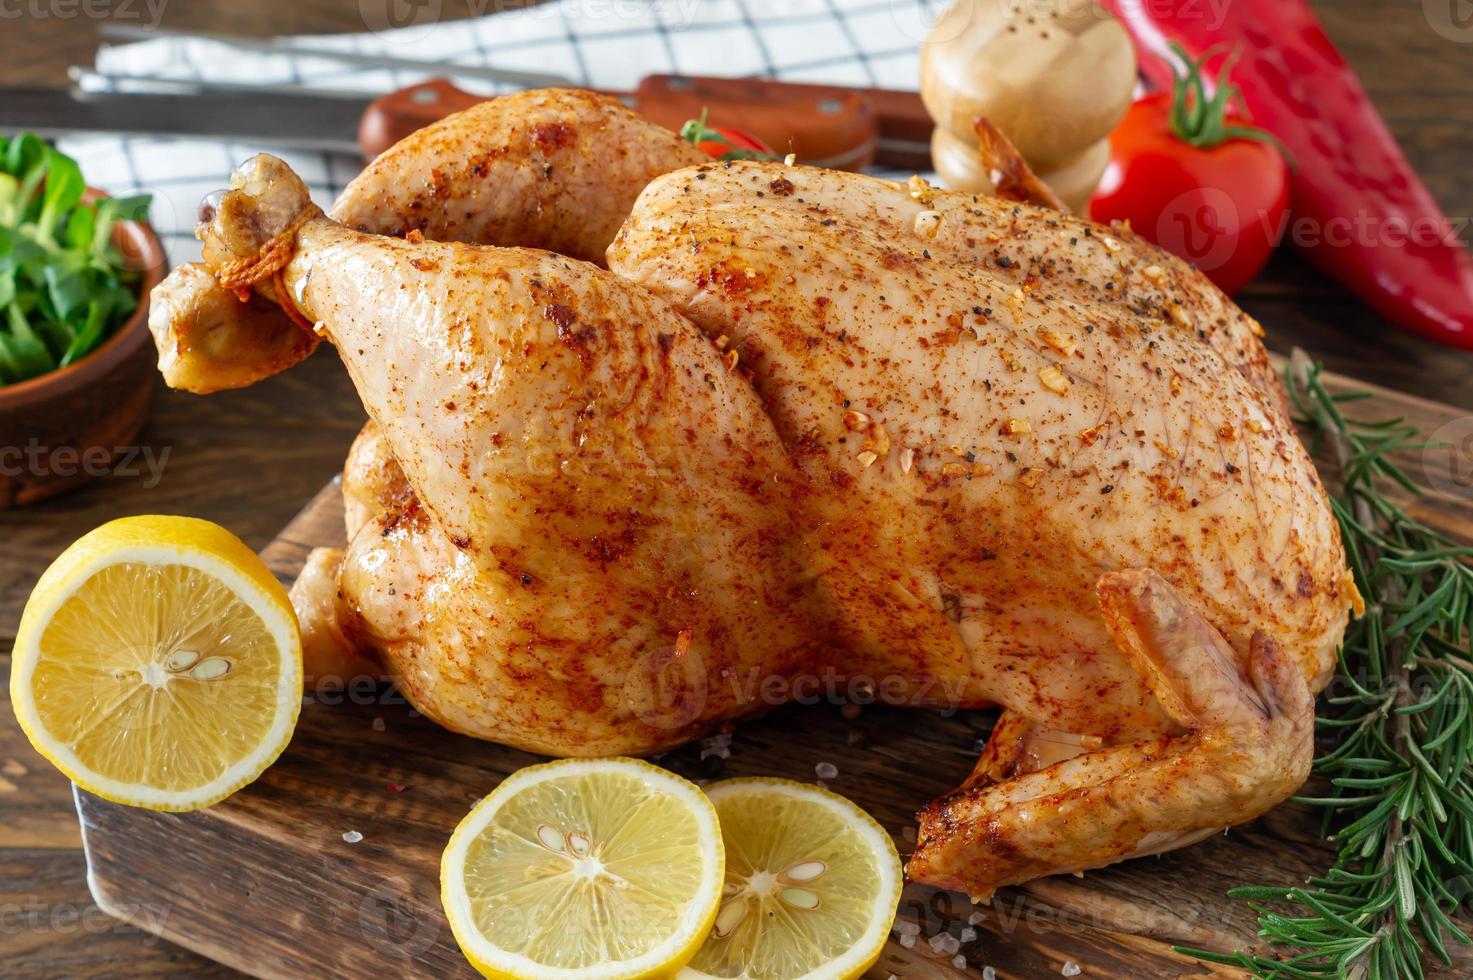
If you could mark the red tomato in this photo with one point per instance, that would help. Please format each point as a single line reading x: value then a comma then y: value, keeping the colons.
x: 1220, y: 207
x: 737, y: 140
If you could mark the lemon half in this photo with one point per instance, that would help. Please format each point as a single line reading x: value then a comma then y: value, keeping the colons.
x: 812, y: 885
x: 158, y: 664
x: 584, y: 868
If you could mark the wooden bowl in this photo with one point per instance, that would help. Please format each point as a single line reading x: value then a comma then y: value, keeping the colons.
x: 62, y: 429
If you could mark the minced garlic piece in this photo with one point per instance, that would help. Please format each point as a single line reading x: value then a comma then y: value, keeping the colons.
x: 928, y: 224
x: 920, y: 190
x: 1053, y: 379
x: 1017, y: 427
x: 1064, y: 343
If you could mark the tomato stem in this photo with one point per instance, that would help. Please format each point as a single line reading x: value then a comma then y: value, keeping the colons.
x: 1199, y: 119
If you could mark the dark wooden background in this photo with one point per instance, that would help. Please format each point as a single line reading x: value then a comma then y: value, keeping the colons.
x: 251, y: 459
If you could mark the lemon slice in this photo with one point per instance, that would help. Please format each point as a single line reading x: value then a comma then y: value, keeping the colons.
x: 158, y: 664
x: 586, y: 868
x: 812, y: 885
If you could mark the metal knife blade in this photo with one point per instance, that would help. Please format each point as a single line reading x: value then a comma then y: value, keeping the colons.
x: 294, y: 121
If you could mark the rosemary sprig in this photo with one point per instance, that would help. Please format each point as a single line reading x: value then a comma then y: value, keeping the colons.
x: 1398, y: 720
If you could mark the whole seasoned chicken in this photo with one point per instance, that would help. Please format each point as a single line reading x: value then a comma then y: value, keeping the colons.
x: 805, y: 421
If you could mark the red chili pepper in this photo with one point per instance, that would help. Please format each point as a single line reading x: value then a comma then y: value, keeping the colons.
x: 1360, y: 212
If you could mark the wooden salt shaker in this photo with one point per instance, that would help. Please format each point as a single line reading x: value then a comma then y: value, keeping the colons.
x: 1055, y: 76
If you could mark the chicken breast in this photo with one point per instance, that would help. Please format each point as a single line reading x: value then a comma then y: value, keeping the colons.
x: 1022, y: 402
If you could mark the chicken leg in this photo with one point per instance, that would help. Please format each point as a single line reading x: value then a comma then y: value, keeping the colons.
x: 586, y: 522
x: 551, y: 168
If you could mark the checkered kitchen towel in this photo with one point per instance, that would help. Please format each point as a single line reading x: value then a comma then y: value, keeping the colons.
x: 603, y: 43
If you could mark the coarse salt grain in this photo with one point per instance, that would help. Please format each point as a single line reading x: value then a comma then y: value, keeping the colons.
x: 968, y: 934
x: 937, y: 942
x: 976, y: 918
x: 715, y: 746
x: 352, y: 837
x: 959, y: 961
x: 907, y: 928
x: 378, y: 724
x: 826, y: 770
x: 907, y: 941
x: 1071, y: 969
x: 988, y: 973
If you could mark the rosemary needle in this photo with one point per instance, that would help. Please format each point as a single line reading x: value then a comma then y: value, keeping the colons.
x: 1398, y: 720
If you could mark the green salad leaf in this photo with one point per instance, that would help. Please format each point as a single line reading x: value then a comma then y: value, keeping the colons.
x: 64, y: 288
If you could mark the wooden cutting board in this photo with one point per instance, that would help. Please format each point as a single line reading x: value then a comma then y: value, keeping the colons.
x: 266, y: 883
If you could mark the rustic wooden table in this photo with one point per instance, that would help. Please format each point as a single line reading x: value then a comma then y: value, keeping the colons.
x: 251, y: 459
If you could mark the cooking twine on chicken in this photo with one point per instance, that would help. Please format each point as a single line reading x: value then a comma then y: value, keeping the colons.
x: 240, y: 275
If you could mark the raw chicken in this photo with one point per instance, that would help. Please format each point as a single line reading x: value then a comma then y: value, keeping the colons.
x: 809, y: 421
x: 557, y: 169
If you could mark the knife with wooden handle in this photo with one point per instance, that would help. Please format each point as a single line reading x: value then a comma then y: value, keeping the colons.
x: 825, y: 125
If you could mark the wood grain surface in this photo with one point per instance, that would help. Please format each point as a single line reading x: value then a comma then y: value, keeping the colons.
x: 248, y: 881
x: 250, y: 459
